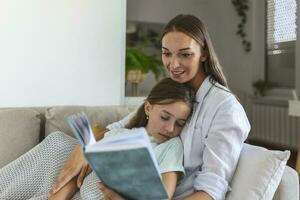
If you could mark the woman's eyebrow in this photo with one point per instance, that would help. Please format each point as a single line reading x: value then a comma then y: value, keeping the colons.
x: 182, y: 49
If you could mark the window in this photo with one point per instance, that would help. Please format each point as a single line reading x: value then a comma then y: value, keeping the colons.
x: 281, y: 34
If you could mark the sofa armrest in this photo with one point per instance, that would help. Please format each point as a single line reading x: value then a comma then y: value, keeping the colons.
x: 289, y: 186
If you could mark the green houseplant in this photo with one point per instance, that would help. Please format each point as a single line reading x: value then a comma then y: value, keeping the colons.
x: 138, y: 60
x: 138, y: 64
x: 242, y: 7
x: 261, y: 87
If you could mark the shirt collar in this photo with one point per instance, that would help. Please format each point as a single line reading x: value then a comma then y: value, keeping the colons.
x: 203, y: 89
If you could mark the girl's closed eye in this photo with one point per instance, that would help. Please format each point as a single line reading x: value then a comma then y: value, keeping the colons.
x: 180, y: 124
x: 165, y: 118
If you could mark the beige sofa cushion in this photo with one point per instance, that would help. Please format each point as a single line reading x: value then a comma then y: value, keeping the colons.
x: 19, y: 132
x: 101, y: 115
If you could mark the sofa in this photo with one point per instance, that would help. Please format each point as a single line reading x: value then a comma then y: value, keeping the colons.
x: 260, y: 173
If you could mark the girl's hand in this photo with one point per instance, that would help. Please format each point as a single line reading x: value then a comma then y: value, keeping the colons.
x: 75, y: 166
x: 109, y: 194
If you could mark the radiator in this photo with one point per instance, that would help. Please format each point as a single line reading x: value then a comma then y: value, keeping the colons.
x: 271, y: 123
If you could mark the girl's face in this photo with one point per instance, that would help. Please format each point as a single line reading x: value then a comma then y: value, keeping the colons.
x: 166, y: 121
x: 183, y: 56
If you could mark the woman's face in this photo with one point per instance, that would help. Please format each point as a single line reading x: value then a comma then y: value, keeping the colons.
x: 183, y: 56
x: 166, y: 121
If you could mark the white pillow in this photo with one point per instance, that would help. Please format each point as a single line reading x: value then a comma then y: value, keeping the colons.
x: 258, y: 173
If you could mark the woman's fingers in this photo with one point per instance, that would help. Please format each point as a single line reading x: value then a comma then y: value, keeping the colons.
x: 109, y: 194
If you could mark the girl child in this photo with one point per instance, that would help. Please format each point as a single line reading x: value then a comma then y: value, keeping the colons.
x: 163, y: 115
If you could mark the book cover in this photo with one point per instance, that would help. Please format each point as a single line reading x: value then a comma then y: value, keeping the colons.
x: 126, y: 163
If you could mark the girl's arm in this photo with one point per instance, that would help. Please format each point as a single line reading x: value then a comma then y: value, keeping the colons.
x: 75, y: 168
x: 108, y: 194
x: 76, y: 165
x: 170, y: 181
x: 67, y: 192
x: 200, y: 195
x: 169, y: 178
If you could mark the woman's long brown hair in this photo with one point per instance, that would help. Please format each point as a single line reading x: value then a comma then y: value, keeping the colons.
x: 164, y: 92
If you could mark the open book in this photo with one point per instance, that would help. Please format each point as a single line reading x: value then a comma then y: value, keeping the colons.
x: 124, y: 163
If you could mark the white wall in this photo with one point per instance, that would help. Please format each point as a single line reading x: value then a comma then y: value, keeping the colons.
x: 61, y: 52
x: 297, y: 54
x: 241, y: 68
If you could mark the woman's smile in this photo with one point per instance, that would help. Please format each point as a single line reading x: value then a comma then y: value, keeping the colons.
x: 177, y: 72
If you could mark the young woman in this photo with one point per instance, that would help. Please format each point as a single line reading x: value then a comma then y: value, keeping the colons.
x: 163, y: 115
x: 214, y: 136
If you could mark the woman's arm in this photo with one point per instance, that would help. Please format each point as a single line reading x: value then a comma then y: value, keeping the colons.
x: 224, y: 140
x: 170, y: 181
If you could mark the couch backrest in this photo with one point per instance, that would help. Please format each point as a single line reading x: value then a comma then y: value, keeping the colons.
x: 100, y: 115
x: 23, y: 128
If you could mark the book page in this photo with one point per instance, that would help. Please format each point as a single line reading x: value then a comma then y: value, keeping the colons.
x: 82, y: 128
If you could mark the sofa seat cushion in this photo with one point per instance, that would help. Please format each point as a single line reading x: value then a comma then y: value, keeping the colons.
x: 19, y: 132
x: 100, y: 115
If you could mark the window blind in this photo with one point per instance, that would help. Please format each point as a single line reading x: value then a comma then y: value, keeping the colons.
x: 281, y: 22
x: 281, y: 34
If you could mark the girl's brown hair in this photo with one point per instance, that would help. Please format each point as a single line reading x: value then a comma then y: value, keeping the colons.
x: 164, y: 92
x: 193, y: 27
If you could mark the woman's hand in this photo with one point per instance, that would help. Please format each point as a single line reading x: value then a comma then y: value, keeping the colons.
x: 109, y: 194
x: 75, y: 166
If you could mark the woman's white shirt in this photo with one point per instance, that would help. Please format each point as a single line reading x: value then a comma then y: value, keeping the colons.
x: 212, y: 139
